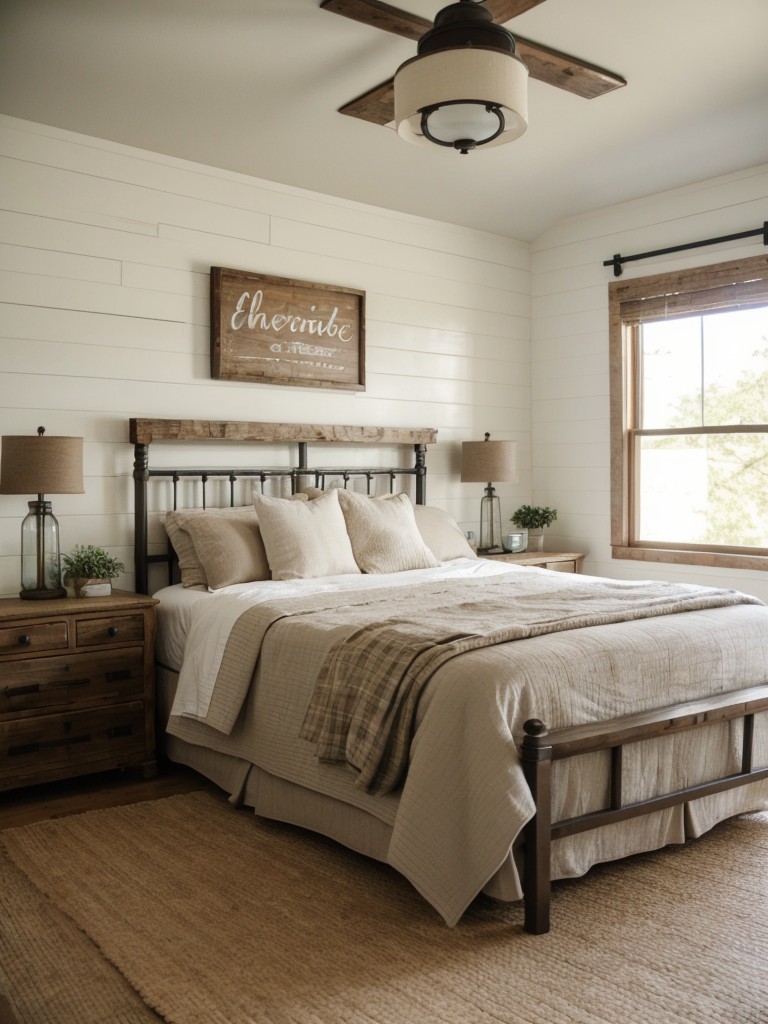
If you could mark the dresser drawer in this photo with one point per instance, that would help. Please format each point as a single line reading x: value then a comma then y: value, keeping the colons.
x: 76, y: 679
x: 560, y: 566
x: 113, y: 629
x: 33, y: 637
x: 32, y: 749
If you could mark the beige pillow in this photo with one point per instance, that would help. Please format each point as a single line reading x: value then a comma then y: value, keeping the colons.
x: 384, y: 534
x: 305, y: 539
x: 229, y: 548
x: 175, y: 523
x: 192, y: 572
x: 313, y: 492
x: 442, y: 534
x: 189, y: 566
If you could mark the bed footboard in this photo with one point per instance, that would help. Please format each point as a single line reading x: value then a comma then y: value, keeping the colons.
x: 541, y: 747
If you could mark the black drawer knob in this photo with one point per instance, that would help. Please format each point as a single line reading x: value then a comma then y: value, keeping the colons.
x: 113, y: 630
x: 25, y: 639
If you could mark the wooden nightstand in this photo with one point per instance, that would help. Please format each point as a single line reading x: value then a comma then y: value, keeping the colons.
x: 560, y: 561
x: 77, y: 687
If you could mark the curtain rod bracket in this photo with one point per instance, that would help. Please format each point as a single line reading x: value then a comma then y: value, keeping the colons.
x: 617, y: 260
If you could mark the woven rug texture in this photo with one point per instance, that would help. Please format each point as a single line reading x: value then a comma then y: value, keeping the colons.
x: 190, y: 911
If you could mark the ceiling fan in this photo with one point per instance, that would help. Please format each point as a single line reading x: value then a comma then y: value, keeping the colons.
x: 545, y: 64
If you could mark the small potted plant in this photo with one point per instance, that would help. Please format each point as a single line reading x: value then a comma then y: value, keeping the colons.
x: 534, y: 519
x: 90, y: 570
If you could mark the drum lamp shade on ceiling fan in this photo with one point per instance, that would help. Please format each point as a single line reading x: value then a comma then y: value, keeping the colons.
x: 466, y: 87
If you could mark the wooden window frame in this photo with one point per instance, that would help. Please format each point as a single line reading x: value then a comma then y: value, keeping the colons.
x: 678, y: 293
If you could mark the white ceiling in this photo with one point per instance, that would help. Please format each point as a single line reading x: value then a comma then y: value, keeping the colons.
x: 254, y: 85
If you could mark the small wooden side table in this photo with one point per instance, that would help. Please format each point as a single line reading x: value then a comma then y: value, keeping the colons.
x: 559, y: 561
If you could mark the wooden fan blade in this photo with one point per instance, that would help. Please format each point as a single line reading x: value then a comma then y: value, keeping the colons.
x: 380, y: 15
x: 411, y: 26
x: 565, y: 72
x: 544, y: 64
x: 503, y: 11
x: 402, y: 23
x: 377, y: 105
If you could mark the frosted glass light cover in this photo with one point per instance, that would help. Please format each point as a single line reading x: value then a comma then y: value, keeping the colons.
x: 462, y: 121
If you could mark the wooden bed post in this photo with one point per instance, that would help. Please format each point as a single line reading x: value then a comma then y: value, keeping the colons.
x: 140, y: 537
x: 537, y: 766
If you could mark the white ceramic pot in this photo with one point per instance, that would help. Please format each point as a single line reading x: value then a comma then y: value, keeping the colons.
x: 92, y: 588
x: 535, y: 540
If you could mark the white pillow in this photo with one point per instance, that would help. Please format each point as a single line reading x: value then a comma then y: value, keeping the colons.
x: 305, y: 539
x: 384, y: 534
x: 442, y: 534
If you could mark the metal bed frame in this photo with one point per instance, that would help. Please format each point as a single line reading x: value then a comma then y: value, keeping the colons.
x: 540, y: 747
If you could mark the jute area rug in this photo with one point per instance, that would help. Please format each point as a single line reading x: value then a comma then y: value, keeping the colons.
x: 188, y: 911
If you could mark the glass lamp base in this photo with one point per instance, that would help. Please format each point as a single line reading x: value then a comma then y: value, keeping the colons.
x: 490, y: 523
x: 40, y: 561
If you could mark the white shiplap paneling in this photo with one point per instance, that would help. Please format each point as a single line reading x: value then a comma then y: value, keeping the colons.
x: 105, y: 253
x: 569, y: 350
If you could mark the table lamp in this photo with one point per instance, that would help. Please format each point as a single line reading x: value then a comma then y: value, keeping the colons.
x: 38, y: 465
x: 487, y: 461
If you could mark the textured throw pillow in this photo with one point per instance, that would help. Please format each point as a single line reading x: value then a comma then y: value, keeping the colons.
x: 175, y: 523
x: 305, y: 539
x: 189, y: 566
x: 229, y: 548
x: 442, y: 534
x: 384, y: 534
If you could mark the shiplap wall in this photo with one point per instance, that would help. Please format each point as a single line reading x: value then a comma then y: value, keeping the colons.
x: 569, y: 350
x: 104, y: 260
x: 105, y: 254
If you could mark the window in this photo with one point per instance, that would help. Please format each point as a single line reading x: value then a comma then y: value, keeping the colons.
x: 689, y: 416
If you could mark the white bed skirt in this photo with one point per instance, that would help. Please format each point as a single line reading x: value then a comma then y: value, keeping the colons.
x: 282, y: 800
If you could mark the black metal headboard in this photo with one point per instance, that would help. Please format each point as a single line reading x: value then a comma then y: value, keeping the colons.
x: 144, y: 432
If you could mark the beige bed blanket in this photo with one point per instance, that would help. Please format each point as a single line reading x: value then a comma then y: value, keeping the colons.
x: 364, y: 704
x: 464, y: 614
x: 464, y: 799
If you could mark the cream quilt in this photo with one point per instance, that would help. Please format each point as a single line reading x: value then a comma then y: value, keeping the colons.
x: 570, y: 650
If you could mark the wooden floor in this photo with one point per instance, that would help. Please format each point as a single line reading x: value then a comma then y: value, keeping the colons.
x: 88, y: 793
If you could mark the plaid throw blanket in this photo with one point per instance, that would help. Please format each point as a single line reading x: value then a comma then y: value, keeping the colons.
x: 364, y: 705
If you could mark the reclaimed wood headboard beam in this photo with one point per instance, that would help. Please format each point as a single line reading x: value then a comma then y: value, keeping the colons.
x: 145, y: 431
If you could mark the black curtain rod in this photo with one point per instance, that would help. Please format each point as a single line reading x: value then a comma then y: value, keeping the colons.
x: 618, y: 259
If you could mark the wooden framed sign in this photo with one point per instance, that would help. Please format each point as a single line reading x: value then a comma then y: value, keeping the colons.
x: 274, y: 330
